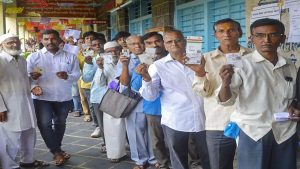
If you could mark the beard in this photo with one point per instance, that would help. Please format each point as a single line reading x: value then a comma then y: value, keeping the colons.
x: 12, y: 52
x: 115, y: 59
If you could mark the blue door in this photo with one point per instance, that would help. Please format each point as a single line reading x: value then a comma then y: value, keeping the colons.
x: 196, y: 18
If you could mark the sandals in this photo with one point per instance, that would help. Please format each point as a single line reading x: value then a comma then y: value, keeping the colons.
x: 103, y: 149
x: 139, y: 167
x: 76, y: 114
x: 35, y: 164
x: 66, y: 155
x: 114, y: 160
x: 87, y: 118
x: 59, y: 159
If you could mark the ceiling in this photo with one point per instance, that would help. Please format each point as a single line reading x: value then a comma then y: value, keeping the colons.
x: 57, y: 8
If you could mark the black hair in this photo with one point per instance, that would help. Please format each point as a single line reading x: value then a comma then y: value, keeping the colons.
x: 76, y: 43
x: 228, y: 20
x: 86, y: 34
x: 51, y: 31
x: 150, y: 34
x: 99, y: 39
x: 121, y: 34
x: 101, y: 36
x: 267, y: 21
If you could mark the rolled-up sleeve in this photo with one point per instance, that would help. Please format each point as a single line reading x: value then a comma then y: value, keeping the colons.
x: 202, y: 86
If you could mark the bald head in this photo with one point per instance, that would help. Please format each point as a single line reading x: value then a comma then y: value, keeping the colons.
x: 135, y: 44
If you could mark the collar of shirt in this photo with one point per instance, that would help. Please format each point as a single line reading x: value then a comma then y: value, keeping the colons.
x: 7, y: 56
x: 257, y: 57
x: 44, y: 51
x: 168, y: 58
x: 218, y: 52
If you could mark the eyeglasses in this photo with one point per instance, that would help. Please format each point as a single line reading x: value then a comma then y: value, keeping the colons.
x: 174, y: 41
x: 270, y: 35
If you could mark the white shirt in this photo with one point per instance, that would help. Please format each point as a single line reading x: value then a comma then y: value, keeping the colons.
x: 181, y: 108
x: 217, y: 116
x: 15, y: 95
x: 54, y: 88
x: 262, y: 90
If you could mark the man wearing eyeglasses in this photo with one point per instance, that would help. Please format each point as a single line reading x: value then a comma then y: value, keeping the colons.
x: 221, y: 149
x: 181, y: 108
x: 262, y: 88
x: 136, y: 123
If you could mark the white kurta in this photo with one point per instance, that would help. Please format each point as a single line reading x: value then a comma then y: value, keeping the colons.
x: 18, y: 132
x: 15, y: 97
x: 114, y: 128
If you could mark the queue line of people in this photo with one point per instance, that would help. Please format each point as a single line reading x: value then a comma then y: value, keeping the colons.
x: 185, y: 107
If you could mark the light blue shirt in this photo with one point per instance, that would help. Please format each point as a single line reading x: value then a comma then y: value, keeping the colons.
x: 131, y: 66
x: 99, y: 78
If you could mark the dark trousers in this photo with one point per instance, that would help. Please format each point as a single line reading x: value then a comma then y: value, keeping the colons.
x: 221, y: 149
x: 99, y: 117
x: 51, y: 121
x: 194, y: 157
x: 266, y: 153
x: 178, y: 147
x: 160, y: 149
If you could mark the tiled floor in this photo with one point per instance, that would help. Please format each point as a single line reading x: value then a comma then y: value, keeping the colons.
x: 85, y: 150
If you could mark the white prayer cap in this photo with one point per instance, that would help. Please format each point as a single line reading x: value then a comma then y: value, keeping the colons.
x: 110, y: 44
x: 98, y: 56
x: 6, y: 36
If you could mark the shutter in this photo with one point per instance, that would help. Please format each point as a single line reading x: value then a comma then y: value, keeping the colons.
x: 197, y: 18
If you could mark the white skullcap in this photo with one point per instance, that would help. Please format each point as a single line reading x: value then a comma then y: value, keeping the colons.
x: 6, y: 36
x: 110, y: 44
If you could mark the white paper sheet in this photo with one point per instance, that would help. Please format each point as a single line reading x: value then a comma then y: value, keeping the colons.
x: 234, y: 59
x: 265, y: 11
x: 72, y: 32
x: 282, y: 116
x: 71, y: 49
x: 194, y: 49
x: 294, y: 34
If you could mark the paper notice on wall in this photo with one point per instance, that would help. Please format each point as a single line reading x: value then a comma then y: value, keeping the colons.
x: 265, y: 11
x: 194, y: 49
x: 290, y: 4
x: 294, y: 34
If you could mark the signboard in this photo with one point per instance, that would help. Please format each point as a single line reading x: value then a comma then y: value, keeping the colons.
x: 91, y: 22
x: 53, y: 8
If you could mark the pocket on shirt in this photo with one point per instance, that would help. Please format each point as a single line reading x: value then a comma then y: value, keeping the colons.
x: 289, y: 90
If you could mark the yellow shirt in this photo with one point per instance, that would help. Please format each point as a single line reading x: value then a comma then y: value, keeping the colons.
x: 83, y: 85
x: 217, y: 116
x: 260, y: 89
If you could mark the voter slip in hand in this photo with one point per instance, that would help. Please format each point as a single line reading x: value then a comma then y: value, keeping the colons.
x: 234, y: 59
x: 282, y: 116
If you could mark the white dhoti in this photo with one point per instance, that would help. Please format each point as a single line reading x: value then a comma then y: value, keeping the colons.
x: 115, y: 136
x: 13, y: 142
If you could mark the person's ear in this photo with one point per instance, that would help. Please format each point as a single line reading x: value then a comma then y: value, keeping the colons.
x: 283, y: 37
